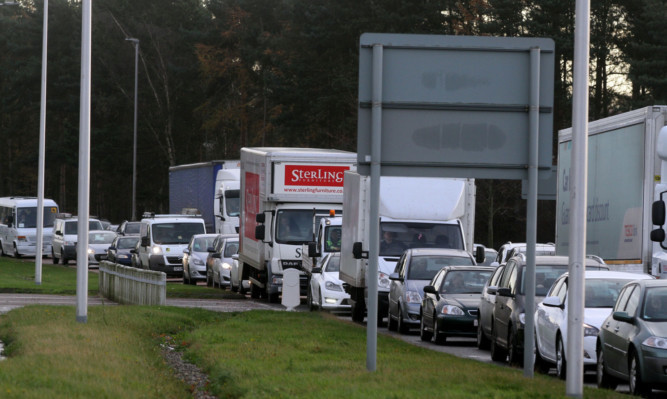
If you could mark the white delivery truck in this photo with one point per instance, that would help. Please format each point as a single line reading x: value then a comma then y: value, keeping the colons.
x: 623, y: 170
x: 226, y: 205
x: 414, y: 212
x: 282, y: 190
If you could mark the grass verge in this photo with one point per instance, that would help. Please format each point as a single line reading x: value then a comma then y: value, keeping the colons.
x: 18, y: 276
x: 257, y: 354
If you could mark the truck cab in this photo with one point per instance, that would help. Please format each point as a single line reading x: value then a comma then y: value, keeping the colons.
x: 327, y: 233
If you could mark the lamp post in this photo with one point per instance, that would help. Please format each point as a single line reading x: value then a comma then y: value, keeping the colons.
x: 135, y: 42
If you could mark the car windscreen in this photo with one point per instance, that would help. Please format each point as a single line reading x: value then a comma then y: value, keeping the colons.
x: 425, y: 267
x: 176, y: 233
x: 232, y: 248
x: 602, y: 293
x: 101, y: 238
x: 132, y: 228
x: 655, y: 304
x: 334, y: 264
x: 465, y: 281
x: 201, y: 244
x: 127, y: 242
x: 27, y: 217
x: 545, y: 275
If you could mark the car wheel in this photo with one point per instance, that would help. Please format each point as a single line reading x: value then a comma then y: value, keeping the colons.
x: 209, y: 279
x: 64, y: 260
x: 402, y: 327
x: 232, y: 287
x: 54, y: 259
x: 423, y: 334
x: 482, y: 340
x: 498, y: 354
x: 185, y: 280
x: 561, y: 363
x: 514, y: 357
x: 438, y: 336
x: 539, y: 364
x: 2, y: 250
x: 637, y: 386
x: 392, y: 325
x: 16, y: 252
x: 604, y: 380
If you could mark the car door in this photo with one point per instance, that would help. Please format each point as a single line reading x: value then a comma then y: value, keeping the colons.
x: 488, y: 300
x: 503, y: 306
x: 430, y: 301
x: 397, y: 286
x: 548, y: 319
x: 617, y: 332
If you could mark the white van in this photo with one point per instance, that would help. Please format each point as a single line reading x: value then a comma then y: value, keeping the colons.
x: 18, y: 226
x: 163, y: 239
x: 65, y: 235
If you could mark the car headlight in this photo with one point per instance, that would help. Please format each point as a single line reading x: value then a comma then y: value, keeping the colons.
x: 333, y: 286
x: 197, y: 261
x: 91, y: 251
x: 590, y: 331
x: 413, y: 297
x: 226, y: 266
x: 522, y: 318
x: 656, y: 342
x: 383, y: 280
x: 122, y: 256
x: 156, y: 250
x: 277, y: 280
x: 452, y: 310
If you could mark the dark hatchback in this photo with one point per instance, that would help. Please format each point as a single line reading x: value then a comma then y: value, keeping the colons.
x: 119, y: 251
x: 451, y: 301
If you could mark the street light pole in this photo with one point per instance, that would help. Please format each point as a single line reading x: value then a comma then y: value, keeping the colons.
x: 135, y: 42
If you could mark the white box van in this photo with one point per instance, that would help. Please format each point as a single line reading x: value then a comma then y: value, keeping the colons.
x: 163, y: 239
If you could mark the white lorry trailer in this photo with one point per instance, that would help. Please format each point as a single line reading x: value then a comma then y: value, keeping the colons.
x: 414, y: 212
x: 282, y: 190
x: 623, y: 170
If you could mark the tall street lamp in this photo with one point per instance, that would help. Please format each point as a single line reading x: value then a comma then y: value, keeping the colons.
x: 135, y: 42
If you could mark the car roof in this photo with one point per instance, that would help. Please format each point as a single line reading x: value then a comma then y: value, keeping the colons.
x: 613, y: 274
x: 470, y: 267
x: 652, y: 283
x: 439, y: 251
x: 555, y: 260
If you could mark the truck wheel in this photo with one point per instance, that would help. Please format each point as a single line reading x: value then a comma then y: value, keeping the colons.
x: 273, y: 298
x: 255, y: 291
x: 358, y: 310
x: 64, y: 260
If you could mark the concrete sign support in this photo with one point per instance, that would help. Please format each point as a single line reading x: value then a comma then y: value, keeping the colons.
x: 453, y: 106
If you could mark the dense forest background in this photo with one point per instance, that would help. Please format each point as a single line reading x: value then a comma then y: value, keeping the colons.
x: 217, y: 75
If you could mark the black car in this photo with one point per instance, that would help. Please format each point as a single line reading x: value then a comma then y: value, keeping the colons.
x: 119, y: 251
x: 451, y: 301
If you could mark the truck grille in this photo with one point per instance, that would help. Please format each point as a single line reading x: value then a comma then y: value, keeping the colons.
x: 291, y: 264
x: 174, y: 259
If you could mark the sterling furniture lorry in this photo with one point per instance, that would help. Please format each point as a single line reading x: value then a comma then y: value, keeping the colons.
x: 282, y: 191
x: 200, y: 188
x: 623, y: 170
x: 415, y: 212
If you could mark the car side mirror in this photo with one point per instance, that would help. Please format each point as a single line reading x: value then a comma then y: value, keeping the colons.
x: 316, y: 270
x: 260, y: 232
x: 429, y: 289
x: 658, y: 213
x: 504, y: 291
x: 210, y: 249
x: 133, y: 251
x: 145, y: 241
x: 216, y: 255
x: 552, y: 301
x: 480, y: 255
x: 624, y: 317
x: 186, y: 251
x: 260, y: 218
x: 492, y: 290
x: 312, y: 250
x: 358, y: 252
x: 395, y: 276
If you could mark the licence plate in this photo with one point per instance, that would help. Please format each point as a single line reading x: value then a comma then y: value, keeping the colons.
x: 475, y: 322
x: 178, y: 269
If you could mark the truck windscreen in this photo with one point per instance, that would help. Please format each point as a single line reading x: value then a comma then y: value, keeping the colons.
x: 396, y: 237
x: 294, y: 226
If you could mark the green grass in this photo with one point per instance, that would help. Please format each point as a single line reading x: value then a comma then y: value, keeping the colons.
x: 257, y: 354
x: 18, y: 276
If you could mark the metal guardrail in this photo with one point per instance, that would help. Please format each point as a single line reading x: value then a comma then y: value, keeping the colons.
x: 130, y: 285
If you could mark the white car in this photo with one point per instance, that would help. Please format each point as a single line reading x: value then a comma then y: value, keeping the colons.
x: 602, y: 290
x: 99, y: 242
x: 194, y: 258
x: 222, y: 259
x: 326, y: 289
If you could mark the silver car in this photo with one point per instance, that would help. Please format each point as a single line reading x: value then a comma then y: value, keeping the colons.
x: 194, y: 258
x: 414, y: 270
x: 219, y: 260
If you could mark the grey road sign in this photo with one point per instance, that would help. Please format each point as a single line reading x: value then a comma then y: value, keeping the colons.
x: 455, y: 105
